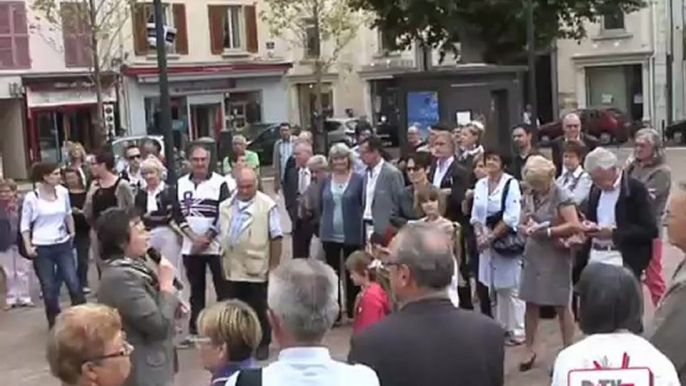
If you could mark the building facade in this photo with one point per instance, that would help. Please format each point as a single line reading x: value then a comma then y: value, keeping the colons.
x: 631, y: 62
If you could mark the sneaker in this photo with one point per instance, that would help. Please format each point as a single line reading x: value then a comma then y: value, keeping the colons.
x: 86, y: 291
x: 26, y: 303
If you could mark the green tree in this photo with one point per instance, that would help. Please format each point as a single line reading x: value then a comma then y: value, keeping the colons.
x: 100, y: 23
x: 322, y: 29
x: 492, y: 31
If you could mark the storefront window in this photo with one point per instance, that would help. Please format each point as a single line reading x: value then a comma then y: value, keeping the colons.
x: 49, y: 138
x: 179, y: 113
x: 243, y: 109
x: 57, y: 127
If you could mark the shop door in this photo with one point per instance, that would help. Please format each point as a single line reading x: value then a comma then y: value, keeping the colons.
x: 50, y: 137
x: 206, y: 120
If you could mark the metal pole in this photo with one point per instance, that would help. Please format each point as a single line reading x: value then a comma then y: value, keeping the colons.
x: 165, y: 100
x: 670, y: 63
x: 531, y: 43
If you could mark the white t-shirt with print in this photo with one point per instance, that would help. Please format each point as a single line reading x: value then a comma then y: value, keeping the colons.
x: 608, y: 350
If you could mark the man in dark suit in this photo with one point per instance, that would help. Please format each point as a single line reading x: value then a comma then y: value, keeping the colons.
x: 521, y: 138
x: 429, y: 341
x: 571, y: 126
x: 296, y: 180
x: 620, y: 223
x: 453, y: 180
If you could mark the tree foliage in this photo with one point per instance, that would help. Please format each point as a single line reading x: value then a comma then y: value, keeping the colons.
x: 294, y: 21
x: 496, y: 28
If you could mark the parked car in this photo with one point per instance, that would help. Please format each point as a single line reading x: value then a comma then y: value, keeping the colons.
x: 263, y: 143
x: 341, y: 130
x: 676, y: 132
x: 607, y: 124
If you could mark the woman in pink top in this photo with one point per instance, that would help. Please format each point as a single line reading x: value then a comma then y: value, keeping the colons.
x: 372, y: 303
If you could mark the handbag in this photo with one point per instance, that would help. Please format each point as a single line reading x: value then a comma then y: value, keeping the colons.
x: 512, y: 243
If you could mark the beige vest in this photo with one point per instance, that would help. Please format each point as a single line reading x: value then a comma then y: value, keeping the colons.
x: 248, y: 259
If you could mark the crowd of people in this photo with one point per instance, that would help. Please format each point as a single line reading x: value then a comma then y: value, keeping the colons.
x: 453, y: 248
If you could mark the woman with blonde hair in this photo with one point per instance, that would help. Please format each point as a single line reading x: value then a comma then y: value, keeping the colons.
x: 156, y: 202
x: 230, y: 333
x: 549, y: 216
x: 77, y: 162
x: 650, y: 167
x: 86, y: 347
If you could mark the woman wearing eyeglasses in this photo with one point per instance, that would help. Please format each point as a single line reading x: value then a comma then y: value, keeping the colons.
x: 144, y: 297
x: 87, y: 347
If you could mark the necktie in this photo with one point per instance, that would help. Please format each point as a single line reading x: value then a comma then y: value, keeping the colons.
x: 302, y: 185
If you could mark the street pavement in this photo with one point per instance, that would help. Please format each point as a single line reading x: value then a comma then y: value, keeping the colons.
x: 23, y: 332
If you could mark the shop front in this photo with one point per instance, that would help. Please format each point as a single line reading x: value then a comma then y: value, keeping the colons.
x: 206, y: 99
x: 62, y: 110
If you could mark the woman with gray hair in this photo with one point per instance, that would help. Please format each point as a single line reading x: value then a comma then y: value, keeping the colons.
x: 340, y: 228
x: 549, y: 216
x: 650, y: 167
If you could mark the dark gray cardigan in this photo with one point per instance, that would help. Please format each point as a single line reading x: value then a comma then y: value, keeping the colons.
x: 352, y: 211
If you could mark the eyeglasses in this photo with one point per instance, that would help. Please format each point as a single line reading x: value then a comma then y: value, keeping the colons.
x: 125, y: 351
x: 202, y: 341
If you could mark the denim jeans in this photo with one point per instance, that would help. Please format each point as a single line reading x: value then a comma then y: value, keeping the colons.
x: 55, y: 262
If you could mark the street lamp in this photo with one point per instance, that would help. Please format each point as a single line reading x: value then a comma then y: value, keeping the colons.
x: 165, y: 100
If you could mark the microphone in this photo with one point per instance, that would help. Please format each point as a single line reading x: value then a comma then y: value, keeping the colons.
x: 156, y: 257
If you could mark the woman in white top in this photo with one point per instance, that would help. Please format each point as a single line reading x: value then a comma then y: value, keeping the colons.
x: 611, y: 311
x: 573, y: 177
x: 47, y: 228
x: 495, y: 216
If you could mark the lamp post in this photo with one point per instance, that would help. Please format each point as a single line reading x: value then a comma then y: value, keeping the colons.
x: 531, y: 43
x: 165, y: 100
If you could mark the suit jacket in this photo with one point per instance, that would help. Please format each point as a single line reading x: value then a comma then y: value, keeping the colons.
x: 457, y: 180
x: 148, y: 319
x: 667, y: 333
x: 276, y: 160
x: 388, y: 198
x: 290, y: 189
x: 431, y: 342
x: 557, y: 147
x: 636, y: 224
x: 167, y: 202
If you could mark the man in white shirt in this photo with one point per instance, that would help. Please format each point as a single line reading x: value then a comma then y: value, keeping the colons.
x: 383, y: 190
x: 573, y: 176
x: 619, y: 218
x: 303, y: 305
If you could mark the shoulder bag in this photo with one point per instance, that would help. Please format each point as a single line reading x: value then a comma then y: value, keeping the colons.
x: 511, y: 244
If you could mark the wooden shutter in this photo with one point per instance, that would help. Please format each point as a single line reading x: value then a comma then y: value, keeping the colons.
x: 140, y: 32
x: 218, y: 15
x: 21, y: 36
x: 251, y: 43
x: 70, y: 33
x: 181, y: 28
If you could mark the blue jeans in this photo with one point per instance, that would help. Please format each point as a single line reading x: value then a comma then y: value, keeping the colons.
x: 55, y: 262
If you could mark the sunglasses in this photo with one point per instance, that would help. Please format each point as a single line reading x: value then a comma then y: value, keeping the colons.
x: 133, y: 157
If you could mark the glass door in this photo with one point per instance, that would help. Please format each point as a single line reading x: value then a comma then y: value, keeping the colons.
x: 49, y: 137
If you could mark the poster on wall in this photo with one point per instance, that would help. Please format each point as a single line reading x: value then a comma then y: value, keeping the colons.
x: 422, y: 110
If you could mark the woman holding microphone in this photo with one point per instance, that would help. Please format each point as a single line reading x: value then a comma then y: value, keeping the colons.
x: 145, y: 298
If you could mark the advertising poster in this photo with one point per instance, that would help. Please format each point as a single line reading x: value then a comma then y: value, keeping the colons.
x: 422, y: 110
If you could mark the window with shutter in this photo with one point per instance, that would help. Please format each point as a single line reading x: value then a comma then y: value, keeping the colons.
x: 14, y: 36
x: 233, y: 28
x: 76, y: 34
x: 168, y: 19
x: 181, y: 42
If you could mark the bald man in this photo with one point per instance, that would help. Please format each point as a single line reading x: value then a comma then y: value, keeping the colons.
x: 251, y: 236
x: 572, y: 129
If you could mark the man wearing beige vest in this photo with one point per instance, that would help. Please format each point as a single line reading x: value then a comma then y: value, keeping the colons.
x: 250, y: 229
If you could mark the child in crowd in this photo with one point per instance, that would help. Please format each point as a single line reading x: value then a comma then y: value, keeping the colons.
x: 372, y: 303
x: 573, y: 177
x: 16, y: 269
x: 230, y: 333
x: 429, y: 199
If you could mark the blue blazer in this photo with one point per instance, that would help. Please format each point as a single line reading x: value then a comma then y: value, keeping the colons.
x: 352, y: 211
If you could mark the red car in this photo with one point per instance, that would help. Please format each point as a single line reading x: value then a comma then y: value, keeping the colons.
x: 607, y: 124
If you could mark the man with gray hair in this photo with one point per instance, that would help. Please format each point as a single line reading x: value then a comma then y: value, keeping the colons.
x: 296, y: 179
x: 572, y: 131
x: 449, y: 346
x: 303, y: 306
x: 619, y: 221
